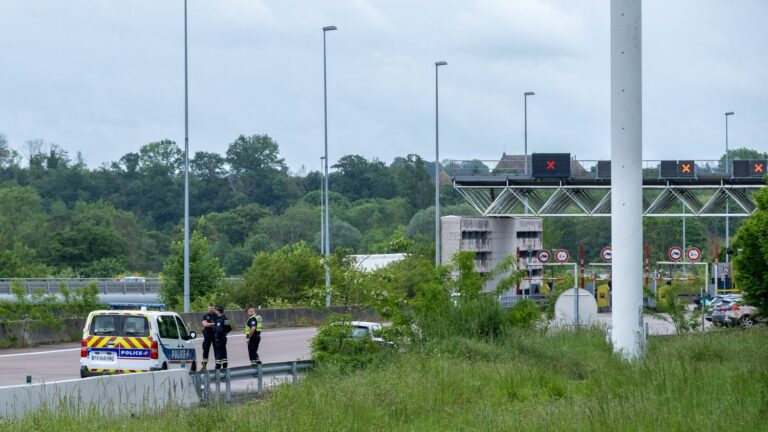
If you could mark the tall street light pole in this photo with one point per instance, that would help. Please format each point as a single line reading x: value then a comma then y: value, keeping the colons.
x: 322, y: 207
x: 525, y: 127
x: 325, y: 162
x: 727, y: 208
x: 186, y: 169
x: 437, y: 168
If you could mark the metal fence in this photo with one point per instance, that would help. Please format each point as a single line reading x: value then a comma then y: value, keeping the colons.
x: 105, y: 286
x: 206, y: 378
x: 509, y: 301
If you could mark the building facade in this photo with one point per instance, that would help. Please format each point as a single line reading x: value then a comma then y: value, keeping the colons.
x: 492, y: 239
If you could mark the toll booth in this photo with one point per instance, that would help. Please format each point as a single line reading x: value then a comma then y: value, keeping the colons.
x: 603, y: 297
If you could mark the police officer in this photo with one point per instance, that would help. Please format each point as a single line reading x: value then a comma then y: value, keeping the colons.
x: 209, y: 324
x: 222, y: 327
x: 253, y: 335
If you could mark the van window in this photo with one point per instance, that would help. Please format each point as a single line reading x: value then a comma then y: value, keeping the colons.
x: 104, y: 325
x: 119, y: 325
x: 167, y: 326
x: 182, y: 328
x: 137, y: 326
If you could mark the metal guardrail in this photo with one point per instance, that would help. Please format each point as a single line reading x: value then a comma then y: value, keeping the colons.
x: 105, y: 286
x: 205, y: 378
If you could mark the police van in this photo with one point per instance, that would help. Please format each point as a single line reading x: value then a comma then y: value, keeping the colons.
x: 127, y: 340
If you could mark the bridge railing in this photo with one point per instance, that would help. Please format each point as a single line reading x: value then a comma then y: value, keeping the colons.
x: 105, y: 286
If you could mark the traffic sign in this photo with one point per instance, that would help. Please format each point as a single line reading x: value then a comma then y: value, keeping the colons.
x: 561, y: 255
x: 675, y: 253
x: 543, y: 256
x: 606, y: 254
x: 693, y: 253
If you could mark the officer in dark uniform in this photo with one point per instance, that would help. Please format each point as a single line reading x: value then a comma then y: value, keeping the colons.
x: 209, y: 323
x: 253, y: 336
x: 222, y: 327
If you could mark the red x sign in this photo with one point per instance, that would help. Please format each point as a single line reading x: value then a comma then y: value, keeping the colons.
x: 686, y: 168
x: 758, y: 168
x: 550, y: 165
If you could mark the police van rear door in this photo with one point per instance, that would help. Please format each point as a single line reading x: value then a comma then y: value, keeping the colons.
x: 118, y: 343
x: 102, y: 344
x: 134, y: 353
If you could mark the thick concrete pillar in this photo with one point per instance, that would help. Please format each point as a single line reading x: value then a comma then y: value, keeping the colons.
x: 626, y: 177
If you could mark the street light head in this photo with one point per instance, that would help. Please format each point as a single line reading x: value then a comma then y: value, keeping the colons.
x: 729, y: 113
x: 329, y: 28
x: 529, y: 94
x: 440, y: 63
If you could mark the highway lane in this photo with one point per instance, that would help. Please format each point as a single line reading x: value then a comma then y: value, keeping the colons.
x: 62, y: 361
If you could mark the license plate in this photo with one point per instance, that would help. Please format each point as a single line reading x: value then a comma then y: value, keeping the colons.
x: 103, y: 356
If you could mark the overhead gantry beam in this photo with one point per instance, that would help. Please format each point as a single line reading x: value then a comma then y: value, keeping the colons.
x: 563, y: 199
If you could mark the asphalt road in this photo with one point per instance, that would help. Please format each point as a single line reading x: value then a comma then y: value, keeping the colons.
x: 62, y: 362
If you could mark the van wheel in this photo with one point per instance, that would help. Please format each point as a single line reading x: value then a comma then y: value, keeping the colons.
x: 165, y: 366
x: 193, y: 368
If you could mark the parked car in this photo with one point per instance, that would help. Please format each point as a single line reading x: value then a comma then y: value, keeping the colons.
x: 365, y: 329
x: 718, y: 301
x: 735, y: 312
x: 133, y: 280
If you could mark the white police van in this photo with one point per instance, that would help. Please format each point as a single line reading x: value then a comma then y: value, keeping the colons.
x: 122, y: 340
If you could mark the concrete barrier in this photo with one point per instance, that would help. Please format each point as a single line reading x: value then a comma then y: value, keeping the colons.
x: 116, y: 394
x: 31, y: 332
x: 19, y: 333
x: 277, y: 318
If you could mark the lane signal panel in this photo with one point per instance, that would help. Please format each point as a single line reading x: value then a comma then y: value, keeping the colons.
x: 749, y: 168
x: 678, y: 169
x: 551, y: 165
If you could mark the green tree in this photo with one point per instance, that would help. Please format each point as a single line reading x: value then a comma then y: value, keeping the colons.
x: 413, y: 181
x: 208, y: 185
x: 299, y: 223
x: 357, y: 178
x: 21, y: 262
x: 21, y: 216
x: 237, y: 224
x: 422, y: 225
x: 751, y: 261
x: 6, y: 153
x: 205, y: 274
x: 287, y: 274
x: 258, y: 174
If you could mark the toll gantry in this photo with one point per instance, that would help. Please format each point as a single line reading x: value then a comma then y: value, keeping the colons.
x: 555, y: 184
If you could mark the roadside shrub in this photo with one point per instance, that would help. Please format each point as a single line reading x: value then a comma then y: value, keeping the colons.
x: 674, y: 311
x: 335, y: 345
x: 524, y: 313
x: 481, y: 318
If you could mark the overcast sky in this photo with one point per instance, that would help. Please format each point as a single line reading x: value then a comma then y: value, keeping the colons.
x: 104, y: 77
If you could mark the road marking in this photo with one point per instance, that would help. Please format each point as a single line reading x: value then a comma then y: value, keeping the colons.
x: 78, y: 349
x: 39, y: 352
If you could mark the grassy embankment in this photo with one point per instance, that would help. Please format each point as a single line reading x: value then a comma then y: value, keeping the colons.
x: 523, y: 381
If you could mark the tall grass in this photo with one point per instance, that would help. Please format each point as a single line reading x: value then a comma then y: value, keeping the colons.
x: 522, y: 380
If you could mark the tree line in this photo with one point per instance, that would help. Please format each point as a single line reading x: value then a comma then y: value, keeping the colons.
x: 58, y: 217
